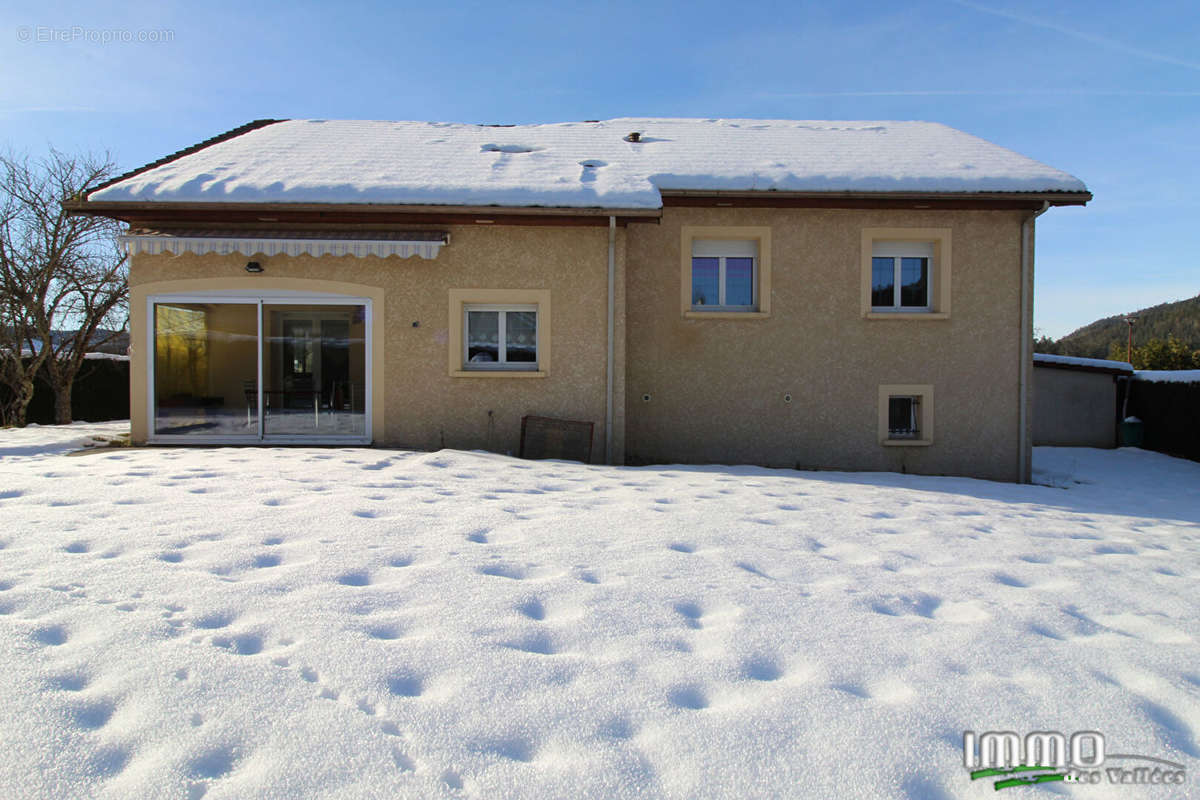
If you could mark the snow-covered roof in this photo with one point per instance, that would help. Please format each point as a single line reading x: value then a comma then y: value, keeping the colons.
x: 579, y: 164
x: 1168, y: 375
x: 1047, y: 359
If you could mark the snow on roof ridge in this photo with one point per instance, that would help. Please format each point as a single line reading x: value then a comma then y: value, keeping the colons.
x: 1080, y: 361
x: 579, y: 164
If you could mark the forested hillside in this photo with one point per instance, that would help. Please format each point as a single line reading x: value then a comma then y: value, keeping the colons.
x: 1180, y: 320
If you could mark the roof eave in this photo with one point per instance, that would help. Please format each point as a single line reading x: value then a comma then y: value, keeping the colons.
x: 907, y: 199
x: 1115, y: 371
x: 114, y: 207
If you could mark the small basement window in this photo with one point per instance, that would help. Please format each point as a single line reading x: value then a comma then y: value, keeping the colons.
x: 906, y: 415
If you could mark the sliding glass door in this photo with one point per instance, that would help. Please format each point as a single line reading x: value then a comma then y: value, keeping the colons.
x: 206, y: 369
x: 314, y: 368
x: 260, y: 369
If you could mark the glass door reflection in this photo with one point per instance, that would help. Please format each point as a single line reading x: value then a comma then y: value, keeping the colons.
x: 314, y: 370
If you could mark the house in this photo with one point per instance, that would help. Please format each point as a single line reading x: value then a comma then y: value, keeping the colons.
x: 841, y: 295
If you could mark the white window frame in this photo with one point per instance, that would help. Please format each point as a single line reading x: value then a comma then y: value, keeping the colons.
x: 258, y: 299
x: 503, y: 364
x: 897, y: 251
x: 722, y: 249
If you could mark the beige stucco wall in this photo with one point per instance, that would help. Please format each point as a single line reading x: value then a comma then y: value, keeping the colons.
x: 717, y: 386
x: 417, y: 402
x: 1074, y: 408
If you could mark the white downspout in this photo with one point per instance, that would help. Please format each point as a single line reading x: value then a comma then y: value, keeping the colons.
x: 612, y: 326
x: 1026, y: 339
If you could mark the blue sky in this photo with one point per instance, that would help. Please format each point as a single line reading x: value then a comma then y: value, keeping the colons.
x: 1107, y: 91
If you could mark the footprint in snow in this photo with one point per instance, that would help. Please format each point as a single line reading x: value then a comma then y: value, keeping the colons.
x: 509, y: 571
x: 753, y: 570
x: 691, y: 612
x: 385, y: 632
x: 692, y: 698
x: 246, y: 644
x: 762, y: 668
x: 533, y: 609
x: 405, y: 684
x: 537, y: 643
x: 52, y: 636
x: 70, y: 681
x: 93, y: 714
x: 854, y: 689
x: 402, y: 761
x: 358, y: 578
x: 214, y: 620
x: 265, y: 560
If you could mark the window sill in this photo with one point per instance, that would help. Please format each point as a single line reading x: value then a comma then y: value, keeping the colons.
x: 725, y: 314
x: 498, y: 373
x: 930, y: 315
x: 906, y: 442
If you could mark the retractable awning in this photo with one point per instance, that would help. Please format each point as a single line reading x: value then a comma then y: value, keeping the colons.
x: 425, y: 244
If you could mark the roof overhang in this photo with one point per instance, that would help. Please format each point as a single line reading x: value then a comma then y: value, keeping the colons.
x: 167, y: 214
x: 174, y: 215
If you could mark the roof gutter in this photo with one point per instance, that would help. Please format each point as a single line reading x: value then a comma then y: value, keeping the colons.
x: 1023, y: 434
x: 125, y: 206
x: 768, y: 196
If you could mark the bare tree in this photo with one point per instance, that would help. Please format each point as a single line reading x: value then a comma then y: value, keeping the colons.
x: 63, y: 278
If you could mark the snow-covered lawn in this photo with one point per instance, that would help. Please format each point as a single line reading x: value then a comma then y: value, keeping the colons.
x: 239, y: 623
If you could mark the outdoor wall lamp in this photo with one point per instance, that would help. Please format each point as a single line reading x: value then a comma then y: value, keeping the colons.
x: 254, y: 266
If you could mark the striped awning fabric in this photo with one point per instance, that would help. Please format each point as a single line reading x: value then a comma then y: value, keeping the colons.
x: 425, y: 244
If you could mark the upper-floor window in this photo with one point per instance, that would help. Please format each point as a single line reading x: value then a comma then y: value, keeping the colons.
x: 724, y: 275
x: 725, y: 272
x: 906, y: 273
x: 901, y: 276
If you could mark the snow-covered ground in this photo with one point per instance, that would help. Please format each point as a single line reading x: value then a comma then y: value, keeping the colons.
x: 239, y: 623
